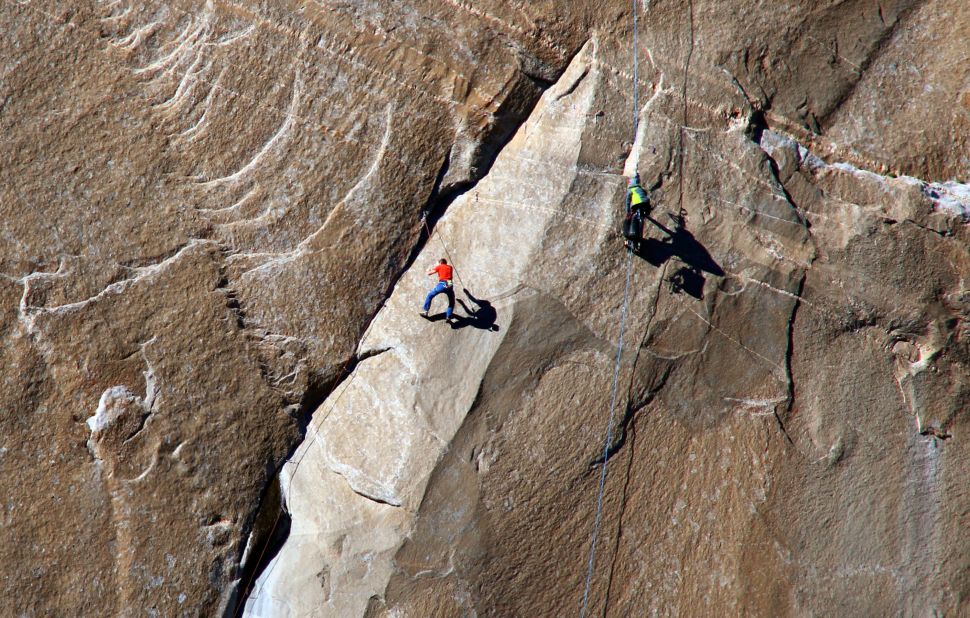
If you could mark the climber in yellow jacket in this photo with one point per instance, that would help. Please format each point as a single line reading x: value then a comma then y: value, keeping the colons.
x: 637, y: 208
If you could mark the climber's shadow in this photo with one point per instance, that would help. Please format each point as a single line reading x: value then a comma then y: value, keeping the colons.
x: 680, y: 244
x: 482, y: 316
x: 437, y: 317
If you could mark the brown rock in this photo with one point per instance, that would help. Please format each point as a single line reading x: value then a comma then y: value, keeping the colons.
x: 206, y: 205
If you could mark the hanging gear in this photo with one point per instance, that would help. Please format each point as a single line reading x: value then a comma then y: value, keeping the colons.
x: 633, y: 230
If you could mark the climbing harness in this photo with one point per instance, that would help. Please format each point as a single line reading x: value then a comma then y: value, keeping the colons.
x: 598, y: 519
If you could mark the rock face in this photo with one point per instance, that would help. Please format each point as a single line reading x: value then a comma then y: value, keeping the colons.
x: 213, y: 260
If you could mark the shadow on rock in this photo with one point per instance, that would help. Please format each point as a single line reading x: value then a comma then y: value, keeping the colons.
x: 482, y: 316
x: 689, y: 280
x: 435, y: 318
x: 680, y: 244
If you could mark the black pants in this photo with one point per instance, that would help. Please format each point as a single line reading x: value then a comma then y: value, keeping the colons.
x: 633, y: 226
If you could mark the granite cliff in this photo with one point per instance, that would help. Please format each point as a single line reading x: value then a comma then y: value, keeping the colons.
x: 213, y: 258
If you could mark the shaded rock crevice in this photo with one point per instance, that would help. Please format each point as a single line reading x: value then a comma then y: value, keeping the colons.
x: 365, y: 494
x: 789, y: 404
x: 629, y: 419
x: 634, y: 403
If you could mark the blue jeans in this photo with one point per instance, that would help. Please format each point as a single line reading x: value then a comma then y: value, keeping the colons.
x: 441, y: 288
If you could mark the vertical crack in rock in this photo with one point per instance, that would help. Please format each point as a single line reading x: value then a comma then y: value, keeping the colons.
x: 755, y: 131
x: 269, y: 530
x: 632, y: 408
x: 271, y: 523
x: 685, y: 122
x: 628, y: 416
x: 757, y: 125
x: 624, y: 501
x: 789, y: 355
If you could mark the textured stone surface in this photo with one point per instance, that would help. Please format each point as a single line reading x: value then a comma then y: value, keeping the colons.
x: 203, y: 205
x: 210, y: 215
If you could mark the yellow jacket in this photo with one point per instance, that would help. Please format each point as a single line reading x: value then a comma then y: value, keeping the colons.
x: 636, y: 196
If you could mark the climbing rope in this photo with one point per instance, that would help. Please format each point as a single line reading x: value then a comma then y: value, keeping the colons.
x: 597, y: 521
x: 609, y: 438
x: 441, y: 239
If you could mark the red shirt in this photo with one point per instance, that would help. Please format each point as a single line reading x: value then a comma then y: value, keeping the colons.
x: 444, y: 272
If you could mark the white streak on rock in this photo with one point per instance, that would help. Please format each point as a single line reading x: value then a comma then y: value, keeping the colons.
x: 138, y: 36
x: 192, y: 132
x: 107, y: 411
x: 281, y: 259
x: 278, y: 139
x: 186, y: 42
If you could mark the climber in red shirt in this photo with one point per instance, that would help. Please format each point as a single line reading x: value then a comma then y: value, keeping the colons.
x: 444, y: 286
